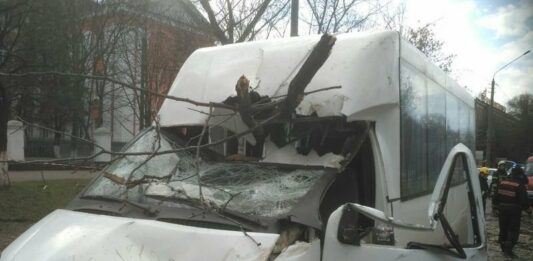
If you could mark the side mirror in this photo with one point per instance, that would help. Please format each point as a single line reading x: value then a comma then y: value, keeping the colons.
x: 358, y: 220
x: 350, y: 230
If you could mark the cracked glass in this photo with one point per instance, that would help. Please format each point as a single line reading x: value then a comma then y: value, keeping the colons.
x: 250, y: 188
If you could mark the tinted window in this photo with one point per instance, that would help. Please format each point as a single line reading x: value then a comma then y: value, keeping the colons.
x: 413, y: 132
x: 433, y: 121
x: 436, y: 124
x: 470, y: 137
x: 452, y: 121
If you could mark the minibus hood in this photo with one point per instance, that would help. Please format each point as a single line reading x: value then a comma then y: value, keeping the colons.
x: 69, y: 235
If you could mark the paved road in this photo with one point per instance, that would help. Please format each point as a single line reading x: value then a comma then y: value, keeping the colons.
x: 524, y: 247
x: 18, y: 176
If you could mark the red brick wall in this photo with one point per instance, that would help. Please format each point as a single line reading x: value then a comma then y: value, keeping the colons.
x: 168, y: 48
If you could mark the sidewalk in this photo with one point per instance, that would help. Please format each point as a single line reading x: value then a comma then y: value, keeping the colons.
x: 26, y: 175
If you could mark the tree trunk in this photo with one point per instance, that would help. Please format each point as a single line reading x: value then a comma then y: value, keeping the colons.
x: 4, y: 112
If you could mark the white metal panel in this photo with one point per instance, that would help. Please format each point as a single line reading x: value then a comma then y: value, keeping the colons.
x: 335, y: 250
x: 420, y: 210
x: 364, y: 64
x: 68, y: 235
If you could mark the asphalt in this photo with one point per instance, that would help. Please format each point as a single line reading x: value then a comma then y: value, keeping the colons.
x: 523, y: 249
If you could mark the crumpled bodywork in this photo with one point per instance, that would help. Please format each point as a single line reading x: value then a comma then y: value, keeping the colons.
x: 68, y: 235
x: 356, y: 62
x: 301, y: 251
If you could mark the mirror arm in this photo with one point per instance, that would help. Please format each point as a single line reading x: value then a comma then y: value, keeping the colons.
x: 378, y: 215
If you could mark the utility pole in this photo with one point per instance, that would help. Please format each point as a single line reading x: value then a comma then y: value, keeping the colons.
x: 490, y: 127
x: 294, y: 17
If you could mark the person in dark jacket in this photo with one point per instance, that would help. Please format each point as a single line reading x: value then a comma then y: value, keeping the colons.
x: 497, y: 176
x: 512, y: 198
x: 484, y: 185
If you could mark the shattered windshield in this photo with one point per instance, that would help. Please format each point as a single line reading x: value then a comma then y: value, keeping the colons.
x: 249, y: 188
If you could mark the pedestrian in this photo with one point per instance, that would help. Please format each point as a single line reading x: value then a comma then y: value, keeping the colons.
x: 512, y: 199
x: 497, y: 176
x: 484, y: 186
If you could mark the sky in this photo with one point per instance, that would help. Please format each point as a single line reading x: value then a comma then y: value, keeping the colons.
x: 485, y: 35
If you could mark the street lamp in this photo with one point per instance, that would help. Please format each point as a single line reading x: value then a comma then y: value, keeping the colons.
x: 490, y: 128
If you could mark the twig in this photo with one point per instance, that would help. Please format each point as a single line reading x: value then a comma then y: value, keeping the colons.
x: 258, y: 106
x: 122, y: 154
x: 231, y: 115
x: 232, y: 196
x: 62, y: 165
x: 197, y: 158
x: 97, y: 77
x: 59, y: 132
x: 154, y: 149
x: 216, y: 115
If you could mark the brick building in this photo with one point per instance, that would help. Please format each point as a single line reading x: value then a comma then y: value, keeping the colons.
x: 142, y: 43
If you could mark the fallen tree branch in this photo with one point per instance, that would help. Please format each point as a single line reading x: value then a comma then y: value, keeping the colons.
x: 197, y: 157
x: 97, y: 77
x: 316, y: 59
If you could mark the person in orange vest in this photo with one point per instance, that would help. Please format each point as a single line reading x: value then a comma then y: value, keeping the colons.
x: 512, y: 199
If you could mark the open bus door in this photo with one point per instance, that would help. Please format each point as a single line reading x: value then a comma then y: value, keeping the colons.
x: 343, y: 242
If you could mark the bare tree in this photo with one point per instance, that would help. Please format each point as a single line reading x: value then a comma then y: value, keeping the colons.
x: 341, y: 15
x: 280, y: 109
x: 12, y: 17
x: 149, y: 49
x: 239, y: 20
x: 426, y: 41
x: 392, y: 17
x: 521, y: 106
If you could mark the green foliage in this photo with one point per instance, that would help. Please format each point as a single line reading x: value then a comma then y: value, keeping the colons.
x: 28, y: 201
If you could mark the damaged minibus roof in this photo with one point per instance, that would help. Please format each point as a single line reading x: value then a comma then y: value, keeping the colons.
x: 364, y: 65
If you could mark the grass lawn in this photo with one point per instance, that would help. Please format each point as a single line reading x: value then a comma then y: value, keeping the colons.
x: 27, y: 202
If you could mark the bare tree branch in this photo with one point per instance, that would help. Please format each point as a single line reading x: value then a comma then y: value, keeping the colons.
x: 98, y: 77
x: 213, y: 22
x: 254, y: 21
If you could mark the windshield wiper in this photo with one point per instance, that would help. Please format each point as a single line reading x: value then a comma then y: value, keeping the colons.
x: 147, y: 210
x: 242, y: 216
x: 195, y: 203
x: 186, y: 201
